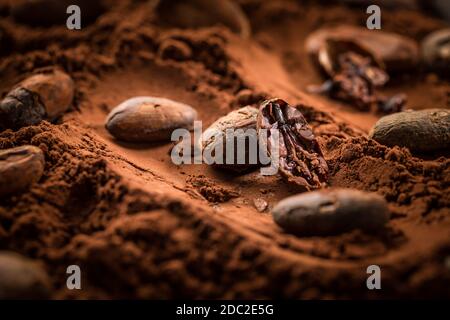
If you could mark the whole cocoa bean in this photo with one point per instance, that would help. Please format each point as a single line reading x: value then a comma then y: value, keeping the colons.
x: 420, y: 131
x: 22, y: 278
x: 330, y: 212
x: 19, y: 168
x: 355, y: 74
x: 300, y: 157
x: 149, y: 119
x: 42, y: 96
x: 241, y: 124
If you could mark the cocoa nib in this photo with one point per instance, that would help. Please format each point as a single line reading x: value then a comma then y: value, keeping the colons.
x: 355, y: 74
x: 300, y: 158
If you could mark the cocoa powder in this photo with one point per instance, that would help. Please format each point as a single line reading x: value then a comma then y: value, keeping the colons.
x: 123, y: 211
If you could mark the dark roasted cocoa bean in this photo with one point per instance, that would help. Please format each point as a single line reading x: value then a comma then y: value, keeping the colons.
x: 21, y: 108
x: 301, y: 161
x: 329, y: 212
x: 42, y: 96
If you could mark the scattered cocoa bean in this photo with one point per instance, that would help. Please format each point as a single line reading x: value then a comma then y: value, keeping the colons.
x: 19, y: 168
x: 420, y: 131
x: 149, y: 119
x: 260, y: 204
x: 330, y: 212
x: 42, y: 96
x: 22, y: 278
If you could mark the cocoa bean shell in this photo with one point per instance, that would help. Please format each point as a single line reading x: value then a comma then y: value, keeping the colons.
x: 46, y: 95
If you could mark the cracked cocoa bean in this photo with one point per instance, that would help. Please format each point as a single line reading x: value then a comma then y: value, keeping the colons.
x: 301, y: 162
x: 42, y: 96
x: 355, y: 74
x: 22, y: 278
x: 20, y: 167
x: 421, y: 131
x: 398, y: 53
x: 330, y: 212
x: 149, y: 119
